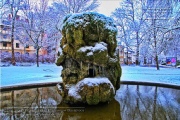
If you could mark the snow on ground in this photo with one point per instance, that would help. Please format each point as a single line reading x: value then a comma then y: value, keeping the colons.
x: 150, y: 74
x: 15, y: 75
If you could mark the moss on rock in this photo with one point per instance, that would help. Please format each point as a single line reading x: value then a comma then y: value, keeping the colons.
x: 89, y: 50
x: 60, y: 60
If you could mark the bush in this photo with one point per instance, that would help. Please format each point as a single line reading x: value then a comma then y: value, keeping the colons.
x: 46, y: 58
x: 6, y: 57
x: 17, y: 57
x: 178, y: 63
x: 28, y: 58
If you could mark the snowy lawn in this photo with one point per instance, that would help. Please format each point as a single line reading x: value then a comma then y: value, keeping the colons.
x: 150, y: 74
x: 15, y: 75
x: 30, y: 74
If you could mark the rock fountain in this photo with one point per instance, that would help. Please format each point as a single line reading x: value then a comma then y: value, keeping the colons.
x: 91, y: 70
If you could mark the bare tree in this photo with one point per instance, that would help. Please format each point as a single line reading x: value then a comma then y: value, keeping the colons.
x: 158, y: 15
x: 43, y: 20
x: 130, y: 18
x: 173, y: 32
x: 75, y: 6
x: 61, y: 8
x: 36, y: 25
x: 146, y: 25
x: 12, y: 7
x: 123, y: 34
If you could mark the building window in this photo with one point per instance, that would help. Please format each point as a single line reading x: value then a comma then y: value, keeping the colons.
x: 5, y: 36
x: 4, y: 44
x: 27, y: 46
x: 17, y: 45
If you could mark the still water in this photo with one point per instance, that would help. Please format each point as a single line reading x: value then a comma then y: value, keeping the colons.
x: 132, y: 102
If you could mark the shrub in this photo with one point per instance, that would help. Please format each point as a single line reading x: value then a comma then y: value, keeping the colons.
x: 46, y: 58
x: 28, y: 58
x: 17, y: 56
x: 6, y: 57
x: 178, y: 63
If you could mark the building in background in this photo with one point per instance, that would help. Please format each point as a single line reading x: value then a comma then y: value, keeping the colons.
x: 121, y: 54
x: 126, y: 56
x: 22, y: 43
x: 5, y: 42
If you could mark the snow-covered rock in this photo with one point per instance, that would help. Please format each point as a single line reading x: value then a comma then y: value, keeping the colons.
x: 91, y: 91
x: 88, y: 47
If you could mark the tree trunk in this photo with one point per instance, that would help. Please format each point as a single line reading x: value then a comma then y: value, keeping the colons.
x: 155, y: 44
x: 157, y: 63
x: 154, y: 105
x: 127, y: 57
x: 156, y: 55
x: 145, y: 60
x: 13, y: 107
x: 37, y: 56
x: 13, y: 62
x: 137, y: 50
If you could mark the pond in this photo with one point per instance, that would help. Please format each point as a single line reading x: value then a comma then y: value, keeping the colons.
x: 132, y: 102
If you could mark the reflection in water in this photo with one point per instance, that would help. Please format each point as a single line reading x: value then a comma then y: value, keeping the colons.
x: 107, y: 111
x: 148, y: 103
x: 30, y: 104
x: 44, y: 103
x: 136, y: 103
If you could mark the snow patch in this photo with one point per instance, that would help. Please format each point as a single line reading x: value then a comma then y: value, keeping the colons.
x: 89, y: 53
x: 49, y: 101
x: 64, y: 46
x: 82, y: 19
x: 60, y: 51
x: 86, y: 48
x: 73, y: 91
x: 98, y: 47
x: 113, y: 59
x: 95, y: 82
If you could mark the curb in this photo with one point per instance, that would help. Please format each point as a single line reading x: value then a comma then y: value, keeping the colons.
x: 173, y: 86
x: 37, y: 85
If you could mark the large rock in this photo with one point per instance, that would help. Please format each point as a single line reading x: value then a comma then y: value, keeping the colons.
x: 89, y: 90
x: 88, y: 50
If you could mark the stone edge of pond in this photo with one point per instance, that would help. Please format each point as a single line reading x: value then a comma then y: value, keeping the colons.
x: 27, y: 86
x: 36, y: 85
x: 165, y: 85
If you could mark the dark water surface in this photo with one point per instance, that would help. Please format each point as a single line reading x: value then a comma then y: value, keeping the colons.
x: 132, y: 102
